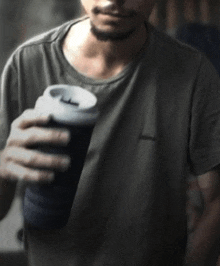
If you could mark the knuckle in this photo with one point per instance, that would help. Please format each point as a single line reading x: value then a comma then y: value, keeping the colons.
x: 3, y: 154
x: 30, y: 175
x: 10, y: 170
x: 15, y: 138
x: 51, y: 161
x: 30, y: 136
x: 36, y: 176
x: 7, y: 154
x: 19, y: 120
x: 27, y: 114
x: 55, y: 135
x: 31, y: 159
x: 60, y: 136
x: 11, y: 141
x: 15, y: 123
x: 25, y: 176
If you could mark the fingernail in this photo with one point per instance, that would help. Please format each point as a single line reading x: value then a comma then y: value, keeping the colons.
x: 65, y: 136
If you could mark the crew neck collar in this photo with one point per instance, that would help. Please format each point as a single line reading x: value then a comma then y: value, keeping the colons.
x: 145, y: 50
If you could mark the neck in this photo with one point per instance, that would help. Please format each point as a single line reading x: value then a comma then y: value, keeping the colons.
x: 97, y: 58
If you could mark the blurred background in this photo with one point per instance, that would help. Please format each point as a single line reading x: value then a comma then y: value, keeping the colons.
x: 20, y: 20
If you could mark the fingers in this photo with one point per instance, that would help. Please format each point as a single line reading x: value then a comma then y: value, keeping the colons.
x: 38, y: 135
x: 18, y: 161
x: 27, y: 165
x: 27, y: 130
x: 29, y: 118
x: 15, y: 171
x: 35, y: 159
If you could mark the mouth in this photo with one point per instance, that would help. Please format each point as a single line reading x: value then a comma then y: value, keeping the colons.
x: 116, y: 14
x: 112, y: 11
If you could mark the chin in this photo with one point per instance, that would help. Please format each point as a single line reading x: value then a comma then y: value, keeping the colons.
x: 107, y: 35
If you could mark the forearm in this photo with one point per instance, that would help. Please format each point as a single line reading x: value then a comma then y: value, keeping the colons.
x: 205, y: 235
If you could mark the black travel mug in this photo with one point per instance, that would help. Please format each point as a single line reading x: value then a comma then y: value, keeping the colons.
x: 48, y: 206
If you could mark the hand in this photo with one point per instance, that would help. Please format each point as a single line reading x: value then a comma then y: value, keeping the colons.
x: 19, y: 162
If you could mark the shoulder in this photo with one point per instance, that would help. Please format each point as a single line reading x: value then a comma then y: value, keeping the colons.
x: 35, y: 44
x: 172, y: 45
x: 42, y: 43
x: 178, y: 61
x: 175, y: 53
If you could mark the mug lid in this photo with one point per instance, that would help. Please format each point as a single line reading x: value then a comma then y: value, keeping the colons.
x: 68, y: 104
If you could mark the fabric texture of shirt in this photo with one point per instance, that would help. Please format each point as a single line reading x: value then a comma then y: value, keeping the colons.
x: 159, y: 120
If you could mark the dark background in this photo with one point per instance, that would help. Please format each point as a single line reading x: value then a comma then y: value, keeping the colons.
x: 20, y: 20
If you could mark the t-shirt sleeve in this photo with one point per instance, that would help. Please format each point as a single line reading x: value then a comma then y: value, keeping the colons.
x: 204, y: 143
x: 8, y: 100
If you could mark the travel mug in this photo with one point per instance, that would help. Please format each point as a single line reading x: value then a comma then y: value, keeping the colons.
x: 48, y: 206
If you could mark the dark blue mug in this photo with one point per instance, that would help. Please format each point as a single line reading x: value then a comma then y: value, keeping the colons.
x: 48, y: 206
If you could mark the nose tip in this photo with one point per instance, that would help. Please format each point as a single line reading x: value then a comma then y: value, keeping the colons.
x: 110, y: 7
x: 112, y: 2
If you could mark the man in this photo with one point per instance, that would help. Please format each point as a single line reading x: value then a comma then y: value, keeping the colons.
x: 159, y: 120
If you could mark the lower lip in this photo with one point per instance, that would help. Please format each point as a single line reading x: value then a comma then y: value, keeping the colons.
x: 114, y: 17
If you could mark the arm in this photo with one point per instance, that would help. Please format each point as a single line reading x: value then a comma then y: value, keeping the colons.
x: 208, y: 228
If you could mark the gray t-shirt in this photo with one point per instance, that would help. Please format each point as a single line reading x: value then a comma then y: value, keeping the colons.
x: 159, y: 118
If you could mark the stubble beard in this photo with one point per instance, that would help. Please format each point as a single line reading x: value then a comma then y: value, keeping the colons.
x: 110, y: 36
